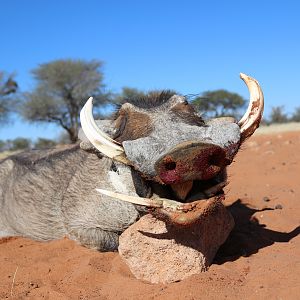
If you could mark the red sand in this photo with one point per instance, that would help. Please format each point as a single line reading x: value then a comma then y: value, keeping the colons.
x: 261, y: 259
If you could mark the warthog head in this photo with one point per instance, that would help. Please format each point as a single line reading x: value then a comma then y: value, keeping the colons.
x: 171, y: 146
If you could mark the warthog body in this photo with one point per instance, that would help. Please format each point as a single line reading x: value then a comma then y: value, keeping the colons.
x: 162, y: 149
x: 50, y: 194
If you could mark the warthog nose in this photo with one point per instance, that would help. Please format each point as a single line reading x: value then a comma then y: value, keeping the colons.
x: 170, y: 165
x: 190, y: 161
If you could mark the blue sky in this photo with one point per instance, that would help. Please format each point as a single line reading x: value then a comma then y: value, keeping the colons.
x: 189, y: 46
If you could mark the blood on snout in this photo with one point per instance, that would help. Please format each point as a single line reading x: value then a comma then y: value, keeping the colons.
x: 209, y: 162
x: 191, y: 161
x: 171, y: 172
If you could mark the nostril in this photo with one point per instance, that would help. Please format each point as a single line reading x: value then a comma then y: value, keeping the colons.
x: 171, y: 165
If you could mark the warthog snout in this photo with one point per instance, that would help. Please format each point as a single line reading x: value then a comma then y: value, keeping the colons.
x: 191, y: 161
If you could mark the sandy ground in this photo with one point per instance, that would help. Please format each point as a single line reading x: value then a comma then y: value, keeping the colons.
x: 260, y: 260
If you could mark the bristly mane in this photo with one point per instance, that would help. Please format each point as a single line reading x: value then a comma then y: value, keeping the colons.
x: 151, y: 100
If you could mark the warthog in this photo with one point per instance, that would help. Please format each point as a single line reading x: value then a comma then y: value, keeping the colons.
x: 157, y: 152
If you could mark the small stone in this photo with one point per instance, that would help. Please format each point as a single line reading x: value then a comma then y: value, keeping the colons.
x: 266, y: 199
x: 34, y: 285
x: 278, y: 206
x: 162, y: 253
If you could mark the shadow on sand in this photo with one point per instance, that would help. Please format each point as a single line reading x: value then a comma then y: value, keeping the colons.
x: 248, y: 236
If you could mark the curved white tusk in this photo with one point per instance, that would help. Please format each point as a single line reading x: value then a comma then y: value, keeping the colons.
x: 98, y: 138
x: 153, y: 202
x: 132, y: 199
x: 251, y: 119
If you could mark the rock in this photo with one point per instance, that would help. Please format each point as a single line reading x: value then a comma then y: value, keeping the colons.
x: 164, y: 253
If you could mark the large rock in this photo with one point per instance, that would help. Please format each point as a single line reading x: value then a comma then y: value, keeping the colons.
x: 164, y: 253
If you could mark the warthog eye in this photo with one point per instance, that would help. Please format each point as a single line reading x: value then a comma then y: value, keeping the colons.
x: 187, y: 114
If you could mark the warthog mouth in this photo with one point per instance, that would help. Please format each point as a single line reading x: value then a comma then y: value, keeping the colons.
x: 196, y: 198
x: 190, y: 191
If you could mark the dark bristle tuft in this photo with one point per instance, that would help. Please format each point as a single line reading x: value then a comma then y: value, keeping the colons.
x: 152, y: 99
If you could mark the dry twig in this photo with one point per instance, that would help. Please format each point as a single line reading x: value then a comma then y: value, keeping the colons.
x: 13, y: 282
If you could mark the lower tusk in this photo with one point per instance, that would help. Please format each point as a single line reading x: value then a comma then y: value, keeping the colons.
x: 152, y: 203
x: 132, y: 199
